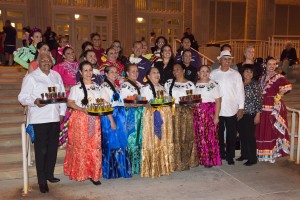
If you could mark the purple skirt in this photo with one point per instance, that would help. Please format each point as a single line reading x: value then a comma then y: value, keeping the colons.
x: 206, y: 134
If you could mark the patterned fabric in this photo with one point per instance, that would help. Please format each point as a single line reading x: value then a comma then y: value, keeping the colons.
x: 134, y: 139
x: 115, y: 162
x: 253, y: 98
x: 184, y: 145
x: 206, y: 135
x: 25, y: 55
x: 157, y: 154
x: 120, y: 70
x: 272, y: 133
x: 83, y: 152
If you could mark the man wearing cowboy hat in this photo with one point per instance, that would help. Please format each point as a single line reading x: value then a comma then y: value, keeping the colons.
x: 233, y: 97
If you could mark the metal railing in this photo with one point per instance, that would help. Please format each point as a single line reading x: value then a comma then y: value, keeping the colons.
x: 294, y: 135
x: 26, y: 153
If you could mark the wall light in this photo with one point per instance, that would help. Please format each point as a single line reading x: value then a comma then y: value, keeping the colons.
x: 13, y: 25
x: 76, y: 16
x: 0, y: 12
x: 140, y: 19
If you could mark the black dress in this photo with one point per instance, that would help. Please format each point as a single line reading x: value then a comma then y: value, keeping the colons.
x: 165, y: 73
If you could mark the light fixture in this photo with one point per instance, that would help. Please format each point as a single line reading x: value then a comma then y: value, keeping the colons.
x: 140, y: 19
x: 76, y: 16
x: 13, y: 25
x: 0, y: 12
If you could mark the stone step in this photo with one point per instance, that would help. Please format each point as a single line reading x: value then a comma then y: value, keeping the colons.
x: 12, y: 80
x: 10, y: 93
x: 11, y: 118
x: 14, y: 169
x: 291, y: 97
x: 10, y: 129
x: 10, y: 86
x: 10, y: 154
x: 10, y: 140
x: 293, y: 104
x: 11, y: 108
x: 9, y: 100
x: 12, y: 69
x: 15, y: 75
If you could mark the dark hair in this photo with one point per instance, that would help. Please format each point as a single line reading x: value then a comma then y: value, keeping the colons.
x: 225, y: 45
x: 137, y: 42
x: 66, y: 48
x: 107, y: 50
x: 247, y: 67
x: 173, y: 81
x: 39, y: 46
x: 166, y: 45
x: 269, y: 58
x: 85, y: 100
x: 184, y: 51
x: 149, y: 81
x: 185, y: 37
x: 94, y: 34
x: 33, y: 31
x: 152, y: 33
x: 160, y: 37
x: 85, y: 44
x: 112, y: 87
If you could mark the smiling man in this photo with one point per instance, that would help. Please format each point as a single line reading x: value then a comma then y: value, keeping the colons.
x: 45, y: 119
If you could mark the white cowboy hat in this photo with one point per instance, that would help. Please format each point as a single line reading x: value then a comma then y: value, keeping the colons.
x: 224, y: 53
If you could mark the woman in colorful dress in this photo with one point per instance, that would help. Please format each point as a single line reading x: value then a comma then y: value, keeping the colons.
x: 251, y: 117
x: 57, y: 54
x: 157, y: 147
x: 41, y: 47
x: 25, y: 55
x: 134, y: 117
x: 117, y: 45
x: 112, y: 56
x: 272, y: 131
x: 183, y: 128
x: 83, y: 151
x: 67, y: 70
x: 115, y: 161
x: 165, y: 64
x: 206, y: 119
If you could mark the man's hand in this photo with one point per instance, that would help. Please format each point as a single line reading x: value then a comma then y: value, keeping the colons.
x: 239, y: 114
x: 37, y: 102
x: 61, y: 119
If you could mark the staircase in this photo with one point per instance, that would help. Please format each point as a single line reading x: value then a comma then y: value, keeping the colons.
x: 11, y: 118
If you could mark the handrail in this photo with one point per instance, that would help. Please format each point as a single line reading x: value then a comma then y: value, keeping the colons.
x: 292, y: 134
x: 25, y: 160
x: 200, y: 54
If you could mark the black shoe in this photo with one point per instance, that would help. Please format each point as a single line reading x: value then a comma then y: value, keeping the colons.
x: 53, y: 180
x: 43, y: 188
x: 95, y: 182
x: 240, y: 159
x: 249, y: 163
x: 207, y: 166
x: 223, y: 157
x: 230, y: 162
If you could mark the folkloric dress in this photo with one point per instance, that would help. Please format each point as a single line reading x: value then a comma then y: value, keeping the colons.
x: 67, y: 71
x: 83, y: 151
x: 183, y: 128
x: 158, y: 146
x: 120, y: 70
x: 206, y: 132
x: 25, y: 55
x: 272, y: 131
x: 115, y: 161
x: 134, y: 127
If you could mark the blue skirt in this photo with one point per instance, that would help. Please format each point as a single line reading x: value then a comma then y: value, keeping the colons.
x: 115, y: 162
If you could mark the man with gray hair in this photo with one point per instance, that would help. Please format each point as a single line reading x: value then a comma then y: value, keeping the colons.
x: 233, y: 98
x: 45, y: 119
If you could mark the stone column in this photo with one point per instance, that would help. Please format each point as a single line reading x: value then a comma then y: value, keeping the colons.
x: 200, y: 20
x: 126, y: 24
x: 39, y: 14
x: 250, y: 19
x: 265, y: 19
x: 187, y: 10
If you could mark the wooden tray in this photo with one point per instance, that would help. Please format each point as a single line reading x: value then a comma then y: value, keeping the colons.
x: 162, y: 104
x: 135, y: 101
x: 53, y: 101
x: 101, y: 113
x: 190, y: 102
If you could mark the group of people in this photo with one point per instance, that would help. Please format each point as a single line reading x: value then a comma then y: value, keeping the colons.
x: 145, y: 140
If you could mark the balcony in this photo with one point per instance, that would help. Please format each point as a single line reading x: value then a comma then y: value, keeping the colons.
x: 82, y: 3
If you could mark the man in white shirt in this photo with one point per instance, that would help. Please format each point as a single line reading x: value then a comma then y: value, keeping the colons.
x: 45, y: 119
x: 233, y: 97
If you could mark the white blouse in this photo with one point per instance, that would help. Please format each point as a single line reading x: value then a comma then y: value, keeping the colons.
x: 107, y: 93
x: 77, y: 94
x: 179, y: 89
x: 127, y: 89
x: 209, y: 91
x: 146, y: 91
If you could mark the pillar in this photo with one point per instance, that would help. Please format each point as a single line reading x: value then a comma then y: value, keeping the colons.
x: 250, y: 19
x: 265, y: 19
x: 200, y: 20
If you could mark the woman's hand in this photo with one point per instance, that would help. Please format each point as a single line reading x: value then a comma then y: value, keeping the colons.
x: 216, y: 119
x: 112, y: 122
x: 84, y: 110
x: 257, y: 118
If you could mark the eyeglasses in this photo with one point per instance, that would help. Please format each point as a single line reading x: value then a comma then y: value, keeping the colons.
x: 45, y: 61
x: 160, y: 43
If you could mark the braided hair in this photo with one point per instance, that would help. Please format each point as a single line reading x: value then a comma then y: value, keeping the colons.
x: 39, y: 46
x: 174, y: 79
x: 150, y: 83
x: 85, y: 100
x: 112, y: 87
x: 127, y: 67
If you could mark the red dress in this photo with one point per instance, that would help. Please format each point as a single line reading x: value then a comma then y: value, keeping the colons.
x: 272, y: 138
x: 120, y: 69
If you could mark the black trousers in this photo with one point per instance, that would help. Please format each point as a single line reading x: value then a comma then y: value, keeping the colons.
x: 246, y: 129
x: 45, y: 149
x: 231, y: 131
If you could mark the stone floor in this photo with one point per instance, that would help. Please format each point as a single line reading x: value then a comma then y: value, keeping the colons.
x: 263, y: 181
